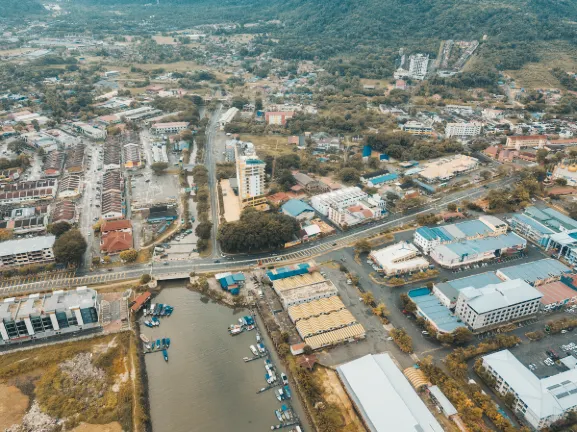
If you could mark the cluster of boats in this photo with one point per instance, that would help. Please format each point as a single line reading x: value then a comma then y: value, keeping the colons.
x: 244, y: 323
x: 270, y: 375
x: 258, y: 350
x: 156, y: 345
x: 155, y: 311
x: 283, y: 393
x: 284, y: 414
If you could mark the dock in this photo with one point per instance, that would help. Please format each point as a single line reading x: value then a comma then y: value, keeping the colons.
x: 285, y: 425
x: 268, y: 387
x: 246, y: 360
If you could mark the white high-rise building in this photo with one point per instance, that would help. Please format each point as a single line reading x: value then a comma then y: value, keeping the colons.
x: 463, y: 129
x: 250, y: 174
x: 418, y: 65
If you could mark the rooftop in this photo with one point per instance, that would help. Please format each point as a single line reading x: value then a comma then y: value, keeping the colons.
x: 481, y: 246
x: 500, y: 295
x: 555, y: 292
x: 24, y: 245
x: 451, y: 288
x: 384, y: 397
x: 536, y: 270
x: 436, y: 312
x: 295, y: 207
x: 545, y: 397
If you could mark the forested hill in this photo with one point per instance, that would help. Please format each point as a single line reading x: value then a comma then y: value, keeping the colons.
x: 20, y: 8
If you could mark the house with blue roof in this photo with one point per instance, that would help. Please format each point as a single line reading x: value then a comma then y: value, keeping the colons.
x: 231, y: 282
x: 382, y: 180
x: 298, y: 209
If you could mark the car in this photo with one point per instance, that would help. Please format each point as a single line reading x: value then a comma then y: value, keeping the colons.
x: 110, y: 269
x: 147, y: 180
x: 217, y: 261
x: 389, y: 338
x: 425, y: 333
x: 278, y: 259
x: 334, y: 244
x: 165, y: 263
x: 563, y: 331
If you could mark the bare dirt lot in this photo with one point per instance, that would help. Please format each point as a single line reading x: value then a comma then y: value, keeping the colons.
x: 110, y: 427
x: 13, y: 406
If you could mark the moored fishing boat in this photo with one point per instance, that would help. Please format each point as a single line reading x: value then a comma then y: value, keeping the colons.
x: 144, y: 339
x: 253, y: 350
x: 167, y: 342
x: 165, y: 354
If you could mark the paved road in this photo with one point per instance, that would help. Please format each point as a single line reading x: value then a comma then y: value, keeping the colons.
x: 210, y: 164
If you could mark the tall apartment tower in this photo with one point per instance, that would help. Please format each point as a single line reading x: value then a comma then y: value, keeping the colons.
x: 250, y: 174
x: 418, y: 64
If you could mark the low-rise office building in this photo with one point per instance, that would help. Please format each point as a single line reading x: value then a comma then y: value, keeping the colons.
x: 168, y: 128
x: 463, y: 129
x: 131, y: 156
x: 540, y: 401
x: 89, y: 131
x: 418, y: 128
x: 427, y: 238
x: 70, y: 186
x: 522, y: 142
x: 349, y: 206
x: 469, y: 252
x: 27, y: 251
x: 538, y: 225
x: 496, y: 304
x: 45, y: 315
x: 399, y: 258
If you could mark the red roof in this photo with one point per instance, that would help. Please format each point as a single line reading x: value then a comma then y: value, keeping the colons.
x: 116, y: 241
x: 139, y: 301
x: 116, y: 225
x: 528, y: 137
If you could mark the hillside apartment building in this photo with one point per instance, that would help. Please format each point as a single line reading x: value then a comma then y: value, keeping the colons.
x: 250, y: 175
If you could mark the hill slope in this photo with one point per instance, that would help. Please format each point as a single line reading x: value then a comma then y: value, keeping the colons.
x: 20, y: 8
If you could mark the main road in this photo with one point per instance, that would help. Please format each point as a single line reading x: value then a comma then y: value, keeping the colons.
x: 306, y: 251
x: 210, y: 164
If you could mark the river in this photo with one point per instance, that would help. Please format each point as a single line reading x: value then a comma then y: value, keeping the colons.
x: 206, y: 386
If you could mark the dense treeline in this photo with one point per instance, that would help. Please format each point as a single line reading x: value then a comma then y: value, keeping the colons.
x: 402, y: 146
x: 17, y: 8
x: 257, y: 231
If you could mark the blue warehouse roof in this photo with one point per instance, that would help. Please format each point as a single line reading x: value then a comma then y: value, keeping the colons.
x: 431, y: 308
x: 367, y: 150
x: 533, y: 223
x: 384, y: 178
x: 295, y: 207
x: 536, y: 270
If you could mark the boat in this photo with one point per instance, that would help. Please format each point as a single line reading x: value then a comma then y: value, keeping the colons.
x: 152, y: 307
x: 267, y: 378
x: 284, y: 378
x: 155, y: 321
x: 234, y: 330
x: 287, y: 391
x: 165, y: 354
x: 157, y: 343
x: 254, y: 350
x: 246, y: 359
x: 278, y: 415
x: 169, y: 310
x: 257, y: 336
x: 241, y: 321
x: 147, y: 323
x: 286, y: 412
x: 261, y: 348
x: 144, y: 339
x: 267, y: 362
x: 163, y: 342
x: 157, y: 309
x: 280, y: 394
x: 167, y: 342
x: 249, y: 328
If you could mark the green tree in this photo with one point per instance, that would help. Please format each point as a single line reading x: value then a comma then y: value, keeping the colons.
x: 368, y: 298
x: 561, y: 181
x: 145, y: 278
x: 159, y: 167
x: 349, y: 175
x: 58, y: 228
x: 462, y: 335
x: 70, y: 247
x: 485, y: 175
x: 452, y: 207
x: 362, y: 246
x: 203, y: 230
x: 129, y: 255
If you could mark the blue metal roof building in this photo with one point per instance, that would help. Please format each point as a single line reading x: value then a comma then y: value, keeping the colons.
x: 535, y: 272
x: 382, y: 179
x: 367, y: 150
x: 431, y: 309
x: 286, y: 272
x: 295, y: 208
x: 531, y: 228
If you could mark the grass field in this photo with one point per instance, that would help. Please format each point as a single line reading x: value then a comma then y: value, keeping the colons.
x: 269, y: 145
x: 538, y: 75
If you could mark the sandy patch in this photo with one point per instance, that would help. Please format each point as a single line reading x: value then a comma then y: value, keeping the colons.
x: 336, y: 394
x: 110, y: 427
x: 13, y: 406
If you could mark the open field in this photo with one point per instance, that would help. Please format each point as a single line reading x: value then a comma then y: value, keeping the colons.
x: 95, y: 373
x: 165, y: 40
x: 16, y: 51
x: 269, y: 144
x: 538, y: 75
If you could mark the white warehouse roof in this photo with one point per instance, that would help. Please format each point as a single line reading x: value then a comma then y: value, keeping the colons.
x: 400, y: 257
x: 384, y: 397
x: 500, y: 295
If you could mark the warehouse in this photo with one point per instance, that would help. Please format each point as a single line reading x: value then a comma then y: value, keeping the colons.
x: 293, y: 291
x: 536, y: 272
x: 315, y: 308
x: 325, y: 323
x: 431, y: 310
x: 345, y: 334
x: 473, y: 251
x: 289, y: 271
x: 446, y: 168
x: 398, y: 259
x: 383, y: 396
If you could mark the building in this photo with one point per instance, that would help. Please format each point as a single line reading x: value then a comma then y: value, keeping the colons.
x: 399, y: 258
x: 428, y: 238
x: 431, y: 310
x: 346, y: 334
x: 53, y: 164
x: 383, y: 396
x: 531, y: 229
x: 496, y: 304
x: 70, y: 186
x: 89, y: 131
x: 75, y: 159
x: 536, y: 272
x: 162, y: 213
x: 64, y: 211
x: 463, y: 129
x: 131, y: 156
x: 111, y: 156
x: 250, y: 175
x: 417, y: 128
x: 349, y: 206
x: 418, y: 65
x: 298, y: 209
x: 28, y: 191
x: 540, y: 401
x: 303, y: 288
x: 555, y: 295
x: 315, y: 308
x: 27, y: 251
x: 309, y: 184
x: 446, y: 168
x: 227, y: 117
x: 278, y: 118
x: 314, y: 326
x: 382, y: 180
x: 44, y: 315
x: 468, y: 252
x: 563, y: 245
x: 32, y: 224
x: 112, y: 198
x: 168, y: 128
x: 116, y: 242
x: 566, y: 172
x: 448, y: 292
x: 522, y: 142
